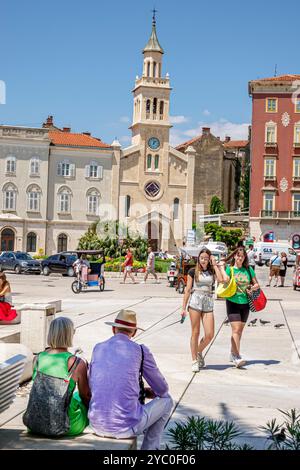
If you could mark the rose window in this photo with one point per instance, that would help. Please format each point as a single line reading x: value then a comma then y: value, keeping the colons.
x: 152, y: 189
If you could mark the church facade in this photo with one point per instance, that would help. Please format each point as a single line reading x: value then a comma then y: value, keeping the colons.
x: 156, y: 180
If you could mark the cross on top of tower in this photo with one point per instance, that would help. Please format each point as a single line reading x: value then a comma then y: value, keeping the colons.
x: 154, y: 11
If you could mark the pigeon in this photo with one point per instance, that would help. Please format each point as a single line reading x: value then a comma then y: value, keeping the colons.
x: 263, y: 322
x: 278, y: 325
x: 252, y: 322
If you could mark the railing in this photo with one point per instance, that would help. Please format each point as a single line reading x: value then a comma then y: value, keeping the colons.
x: 296, y: 178
x: 297, y: 144
x: 271, y: 144
x: 279, y: 214
x: 270, y: 178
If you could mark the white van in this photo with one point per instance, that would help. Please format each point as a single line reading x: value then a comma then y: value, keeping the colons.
x: 265, y: 250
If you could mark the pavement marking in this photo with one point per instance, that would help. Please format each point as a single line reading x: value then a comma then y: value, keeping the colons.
x: 290, y: 331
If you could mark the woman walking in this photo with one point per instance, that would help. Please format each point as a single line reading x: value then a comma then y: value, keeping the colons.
x: 7, y: 314
x: 198, y: 299
x: 238, y: 306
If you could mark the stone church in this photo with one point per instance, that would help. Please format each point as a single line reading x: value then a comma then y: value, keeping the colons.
x: 156, y: 180
x: 160, y: 186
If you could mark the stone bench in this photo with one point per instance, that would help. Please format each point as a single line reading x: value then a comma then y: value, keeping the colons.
x: 11, y: 370
x: 17, y: 438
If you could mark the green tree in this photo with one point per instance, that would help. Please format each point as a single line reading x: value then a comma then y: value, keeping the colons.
x: 216, y: 206
x: 219, y: 234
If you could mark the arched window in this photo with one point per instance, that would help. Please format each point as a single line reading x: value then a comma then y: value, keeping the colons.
x: 156, y: 162
x: 64, y: 200
x: 11, y: 165
x: 154, y: 106
x: 33, y: 198
x: 148, y: 69
x: 176, y: 208
x: 161, y: 110
x: 31, y: 242
x: 149, y: 161
x: 62, y: 242
x: 148, y: 104
x: 34, y: 166
x: 154, y: 69
x: 127, y: 206
x: 9, y: 197
x: 93, y: 197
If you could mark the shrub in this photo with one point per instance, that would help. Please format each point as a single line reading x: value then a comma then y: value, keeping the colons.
x: 205, y: 434
x: 284, y: 436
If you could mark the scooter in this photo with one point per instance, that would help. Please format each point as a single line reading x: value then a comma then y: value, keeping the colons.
x: 172, y: 274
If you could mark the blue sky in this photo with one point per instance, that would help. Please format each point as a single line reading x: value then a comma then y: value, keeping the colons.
x: 78, y: 61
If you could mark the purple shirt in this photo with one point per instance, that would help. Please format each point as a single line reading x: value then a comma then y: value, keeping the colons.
x: 114, y: 382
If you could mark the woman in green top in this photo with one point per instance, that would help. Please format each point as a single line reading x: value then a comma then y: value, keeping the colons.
x: 57, y: 361
x: 238, y: 306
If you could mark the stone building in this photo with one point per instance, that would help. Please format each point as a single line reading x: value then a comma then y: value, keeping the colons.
x: 54, y: 184
x: 156, y: 180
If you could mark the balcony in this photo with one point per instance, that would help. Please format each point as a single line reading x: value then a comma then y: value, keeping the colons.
x: 279, y: 215
x: 269, y: 178
x: 296, y: 179
x: 297, y: 145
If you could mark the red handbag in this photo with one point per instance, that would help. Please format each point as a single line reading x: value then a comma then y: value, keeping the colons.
x: 257, y: 300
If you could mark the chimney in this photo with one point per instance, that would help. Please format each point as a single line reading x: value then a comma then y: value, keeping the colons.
x: 66, y: 129
x: 86, y: 133
x: 205, y: 130
x: 227, y: 138
x: 49, y: 122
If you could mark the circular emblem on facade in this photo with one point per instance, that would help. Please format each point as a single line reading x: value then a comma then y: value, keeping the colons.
x: 283, y: 184
x: 285, y: 119
x: 153, y: 143
x: 152, y: 189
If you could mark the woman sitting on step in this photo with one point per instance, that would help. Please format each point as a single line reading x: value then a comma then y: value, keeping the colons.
x: 6, y: 312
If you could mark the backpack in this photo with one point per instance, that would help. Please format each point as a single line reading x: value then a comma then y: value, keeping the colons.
x: 49, y: 400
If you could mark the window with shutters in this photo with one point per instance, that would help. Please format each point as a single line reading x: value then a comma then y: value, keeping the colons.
x: 156, y: 162
x: 149, y: 161
x: 66, y: 169
x: 94, y: 171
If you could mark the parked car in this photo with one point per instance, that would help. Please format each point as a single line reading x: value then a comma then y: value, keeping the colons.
x: 20, y: 262
x: 60, y: 263
x: 265, y: 250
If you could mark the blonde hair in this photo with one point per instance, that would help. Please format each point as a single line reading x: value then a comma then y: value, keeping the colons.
x: 61, y: 333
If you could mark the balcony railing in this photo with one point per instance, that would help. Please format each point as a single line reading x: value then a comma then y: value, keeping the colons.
x: 297, y: 144
x: 270, y: 178
x: 270, y: 144
x: 296, y: 178
x: 287, y: 215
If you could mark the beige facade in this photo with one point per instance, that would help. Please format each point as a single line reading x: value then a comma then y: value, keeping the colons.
x: 24, y: 154
x: 54, y: 184
x: 156, y: 180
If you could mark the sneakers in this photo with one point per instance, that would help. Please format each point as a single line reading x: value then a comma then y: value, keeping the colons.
x: 201, y: 361
x: 238, y: 361
x: 195, y: 366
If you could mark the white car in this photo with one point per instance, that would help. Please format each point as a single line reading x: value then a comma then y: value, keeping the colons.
x: 265, y: 250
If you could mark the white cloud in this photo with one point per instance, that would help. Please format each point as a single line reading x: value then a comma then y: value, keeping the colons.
x: 125, y: 139
x: 206, y: 112
x: 124, y: 119
x: 220, y: 128
x: 178, y: 119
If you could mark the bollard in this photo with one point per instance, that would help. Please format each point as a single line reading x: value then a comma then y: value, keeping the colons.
x: 35, y: 322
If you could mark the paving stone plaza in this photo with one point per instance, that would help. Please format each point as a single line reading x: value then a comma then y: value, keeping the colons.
x: 250, y: 396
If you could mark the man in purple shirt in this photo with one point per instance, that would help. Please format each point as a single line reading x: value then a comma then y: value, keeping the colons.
x: 115, y: 410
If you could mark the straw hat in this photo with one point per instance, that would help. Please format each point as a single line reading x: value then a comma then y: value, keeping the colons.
x: 125, y: 319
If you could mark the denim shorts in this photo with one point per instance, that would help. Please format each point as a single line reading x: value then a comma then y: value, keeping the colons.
x: 201, y: 302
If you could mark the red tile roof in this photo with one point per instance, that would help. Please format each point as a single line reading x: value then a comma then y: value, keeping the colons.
x: 236, y: 143
x: 280, y: 78
x: 69, y: 139
x: 184, y: 145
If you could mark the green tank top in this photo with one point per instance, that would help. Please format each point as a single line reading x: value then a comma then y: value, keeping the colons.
x: 57, y: 366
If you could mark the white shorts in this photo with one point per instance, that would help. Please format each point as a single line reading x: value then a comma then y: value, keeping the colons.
x: 128, y: 269
x: 201, y: 302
